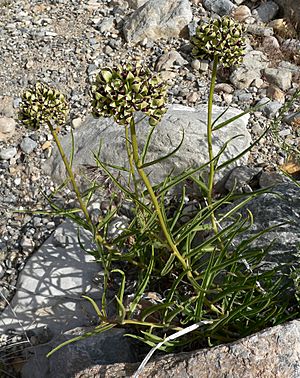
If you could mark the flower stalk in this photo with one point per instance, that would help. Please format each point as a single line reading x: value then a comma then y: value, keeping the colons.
x: 154, y: 200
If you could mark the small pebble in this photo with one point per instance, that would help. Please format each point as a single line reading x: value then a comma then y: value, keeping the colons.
x: 8, y: 153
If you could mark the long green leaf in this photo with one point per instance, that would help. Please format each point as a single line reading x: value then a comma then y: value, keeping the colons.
x: 232, y: 119
x: 166, y: 156
x: 120, y: 297
x: 142, y: 287
x: 96, y: 331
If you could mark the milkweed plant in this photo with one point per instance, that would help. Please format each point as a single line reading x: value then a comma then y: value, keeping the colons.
x: 168, y: 271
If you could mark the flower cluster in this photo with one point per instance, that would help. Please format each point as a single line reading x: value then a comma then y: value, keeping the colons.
x: 120, y: 91
x: 221, y: 38
x: 41, y: 104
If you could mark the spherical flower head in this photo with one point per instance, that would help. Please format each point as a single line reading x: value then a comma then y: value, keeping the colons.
x: 221, y: 38
x: 41, y: 104
x: 120, y: 91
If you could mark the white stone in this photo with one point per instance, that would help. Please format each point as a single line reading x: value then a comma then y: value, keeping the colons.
x: 76, y: 122
x: 7, y: 128
x: 8, y: 153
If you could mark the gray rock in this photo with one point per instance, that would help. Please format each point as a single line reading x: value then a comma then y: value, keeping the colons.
x: 280, y: 206
x: 266, y: 11
x: 271, y: 108
x: 165, y: 138
x: 241, y: 13
x: 204, y: 65
x: 271, y: 44
x: 50, y: 287
x: 6, y: 106
x: 260, y: 30
x: 106, y: 25
x: 221, y: 7
x: 240, y: 178
x: 280, y: 77
x: 8, y: 153
x: 274, y: 352
x: 7, y: 128
x: 268, y: 179
x: 169, y: 59
x: 158, y: 19
x: 28, y: 145
x: 244, y: 97
x: 195, y: 64
x: 27, y: 244
x: 243, y: 78
x: 135, y: 4
x: 289, y: 66
x: 224, y: 87
x: 106, y: 348
x: 292, y: 118
x: 291, y: 46
x: 250, y: 70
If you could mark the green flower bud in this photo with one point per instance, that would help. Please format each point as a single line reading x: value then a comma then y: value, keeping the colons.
x: 41, y: 104
x: 221, y: 38
x: 120, y: 91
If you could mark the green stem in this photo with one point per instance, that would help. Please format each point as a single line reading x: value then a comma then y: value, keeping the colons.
x: 130, y: 159
x: 148, y: 185
x: 98, y: 238
x: 209, y: 141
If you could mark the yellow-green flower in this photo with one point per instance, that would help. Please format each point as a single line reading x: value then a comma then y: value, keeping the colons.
x: 221, y: 38
x: 120, y: 91
x: 41, y: 104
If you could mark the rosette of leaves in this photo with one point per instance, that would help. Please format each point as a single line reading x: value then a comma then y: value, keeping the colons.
x: 41, y: 104
x: 120, y: 91
x: 221, y: 38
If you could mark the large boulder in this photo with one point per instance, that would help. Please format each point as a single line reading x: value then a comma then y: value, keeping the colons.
x: 166, y: 137
x: 104, y: 348
x: 280, y: 207
x: 274, y: 352
x: 50, y: 287
x: 158, y: 19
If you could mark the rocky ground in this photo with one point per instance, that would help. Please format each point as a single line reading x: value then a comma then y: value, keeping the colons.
x: 63, y: 43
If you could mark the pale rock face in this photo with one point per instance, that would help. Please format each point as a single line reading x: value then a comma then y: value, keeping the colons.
x: 166, y: 137
x: 274, y: 352
x: 51, y: 285
x: 158, y: 19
